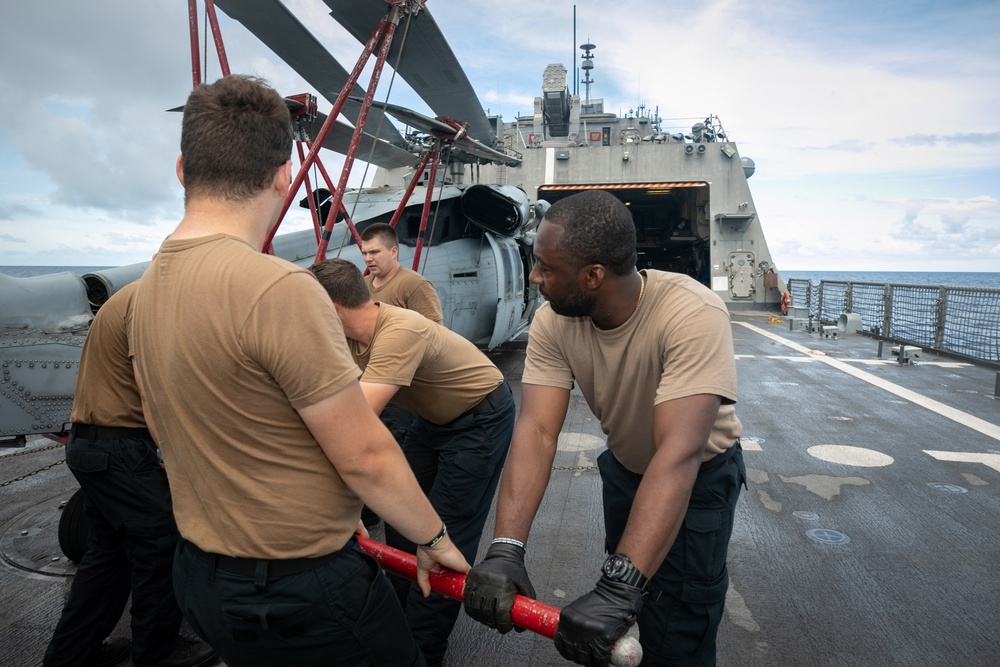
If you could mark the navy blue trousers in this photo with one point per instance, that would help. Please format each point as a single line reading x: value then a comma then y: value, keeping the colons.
x: 458, y: 466
x: 130, y: 550
x: 680, y: 628
x: 342, y: 612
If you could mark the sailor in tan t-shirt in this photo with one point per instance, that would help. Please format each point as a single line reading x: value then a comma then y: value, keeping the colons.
x: 652, y: 353
x: 390, y: 282
x: 252, y: 395
x: 114, y: 458
x: 459, y: 439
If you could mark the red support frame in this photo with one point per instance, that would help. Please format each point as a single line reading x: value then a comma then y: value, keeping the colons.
x: 309, y: 194
x: 431, y: 179
x: 321, y: 137
x: 220, y: 48
x: 195, y: 56
x: 387, y: 28
x: 381, y: 37
x: 409, y: 189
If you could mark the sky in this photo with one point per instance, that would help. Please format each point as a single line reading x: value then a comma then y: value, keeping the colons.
x: 874, y: 126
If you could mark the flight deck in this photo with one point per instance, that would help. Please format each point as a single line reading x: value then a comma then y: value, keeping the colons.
x: 868, y: 534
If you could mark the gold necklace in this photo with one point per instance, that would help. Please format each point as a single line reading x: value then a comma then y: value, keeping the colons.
x: 642, y: 290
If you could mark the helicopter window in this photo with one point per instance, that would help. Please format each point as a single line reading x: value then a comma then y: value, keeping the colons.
x: 437, y: 230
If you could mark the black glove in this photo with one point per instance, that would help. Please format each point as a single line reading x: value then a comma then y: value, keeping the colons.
x: 592, y: 623
x: 490, y: 586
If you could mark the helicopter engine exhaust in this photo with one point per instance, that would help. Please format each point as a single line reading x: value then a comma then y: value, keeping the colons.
x: 501, y: 209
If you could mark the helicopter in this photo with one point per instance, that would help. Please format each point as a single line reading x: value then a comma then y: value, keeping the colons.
x: 464, y: 191
x: 466, y: 238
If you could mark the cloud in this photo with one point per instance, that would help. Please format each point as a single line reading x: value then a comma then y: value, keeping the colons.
x: 11, y: 210
x: 11, y: 239
x: 972, y: 138
x: 867, y: 121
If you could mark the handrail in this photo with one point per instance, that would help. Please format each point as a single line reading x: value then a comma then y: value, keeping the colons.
x: 944, y: 318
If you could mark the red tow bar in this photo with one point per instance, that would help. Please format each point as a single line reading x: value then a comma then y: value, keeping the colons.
x: 527, y: 613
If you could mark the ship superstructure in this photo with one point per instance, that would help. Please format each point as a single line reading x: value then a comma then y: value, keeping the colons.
x: 687, y: 189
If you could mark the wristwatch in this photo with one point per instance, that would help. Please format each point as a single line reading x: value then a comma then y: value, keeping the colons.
x: 620, y: 569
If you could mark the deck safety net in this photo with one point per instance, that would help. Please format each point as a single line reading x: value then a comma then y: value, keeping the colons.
x: 959, y: 320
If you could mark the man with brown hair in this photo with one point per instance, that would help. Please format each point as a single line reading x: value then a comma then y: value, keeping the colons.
x: 253, y: 397
x: 459, y: 439
x: 132, y: 534
x: 390, y: 282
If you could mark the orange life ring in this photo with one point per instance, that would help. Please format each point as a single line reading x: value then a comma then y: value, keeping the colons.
x: 786, y: 301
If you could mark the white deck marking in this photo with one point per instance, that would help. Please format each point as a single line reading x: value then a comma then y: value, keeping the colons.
x: 963, y: 418
x: 572, y: 441
x: 991, y: 460
x: 852, y: 456
x: 813, y: 354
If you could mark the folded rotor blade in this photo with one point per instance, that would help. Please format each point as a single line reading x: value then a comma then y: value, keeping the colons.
x: 466, y: 145
x: 274, y: 25
x: 428, y: 64
x: 384, y: 155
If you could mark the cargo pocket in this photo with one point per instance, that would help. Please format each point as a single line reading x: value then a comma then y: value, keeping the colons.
x: 706, y: 577
x: 475, y: 463
x: 153, y: 539
x: 692, y: 621
x: 246, y: 621
x: 85, y: 461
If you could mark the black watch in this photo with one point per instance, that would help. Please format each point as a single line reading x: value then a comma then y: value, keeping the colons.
x: 619, y: 568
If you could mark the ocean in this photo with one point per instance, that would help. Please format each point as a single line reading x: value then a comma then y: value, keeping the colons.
x: 959, y: 279
x: 951, y: 279
x: 29, y: 271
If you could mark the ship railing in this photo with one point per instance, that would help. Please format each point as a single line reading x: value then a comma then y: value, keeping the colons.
x: 962, y: 321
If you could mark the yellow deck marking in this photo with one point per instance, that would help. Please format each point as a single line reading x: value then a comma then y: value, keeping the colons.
x: 963, y: 418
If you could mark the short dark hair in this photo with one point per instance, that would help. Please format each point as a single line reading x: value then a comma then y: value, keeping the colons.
x: 342, y: 281
x: 235, y: 134
x: 383, y: 231
x: 597, y: 229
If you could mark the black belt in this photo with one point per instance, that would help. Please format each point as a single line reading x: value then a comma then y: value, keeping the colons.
x: 488, y: 402
x: 248, y: 567
x: 719, y: 459
x: 93, y: 432
x: 262, y: 569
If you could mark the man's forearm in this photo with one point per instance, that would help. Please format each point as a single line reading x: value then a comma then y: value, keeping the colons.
x: 681, y: 428
x: 525, y: 476
x: 657, y: 513
x: 370, y: 462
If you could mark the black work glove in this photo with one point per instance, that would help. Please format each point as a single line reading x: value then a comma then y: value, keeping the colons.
x: 590, y: 625
x: 490, y: 586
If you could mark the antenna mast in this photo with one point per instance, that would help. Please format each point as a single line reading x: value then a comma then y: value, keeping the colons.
x: 588, y: 64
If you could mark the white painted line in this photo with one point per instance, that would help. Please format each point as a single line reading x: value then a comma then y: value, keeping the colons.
x: 867, y: 362
x: 963, y: 418
x: 991, y: 460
